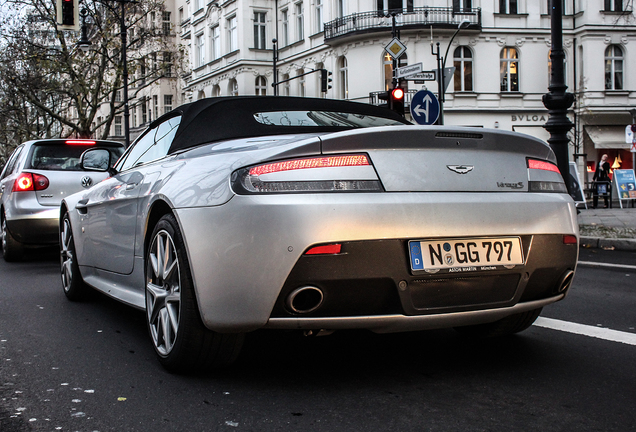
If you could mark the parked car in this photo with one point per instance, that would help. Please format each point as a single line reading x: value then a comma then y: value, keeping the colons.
x: 229, y: 215
x: 35, y: 179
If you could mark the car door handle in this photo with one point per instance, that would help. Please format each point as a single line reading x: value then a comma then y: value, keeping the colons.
x: 130, y: 186
x: 82, y: 204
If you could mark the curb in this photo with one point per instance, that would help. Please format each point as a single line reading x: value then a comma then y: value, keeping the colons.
x: 625, y: 244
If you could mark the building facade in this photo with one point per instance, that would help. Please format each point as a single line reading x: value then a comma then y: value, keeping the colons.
x: 500, y: 56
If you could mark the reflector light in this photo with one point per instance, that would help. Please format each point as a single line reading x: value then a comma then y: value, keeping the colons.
x: 80, y: 142
x: 543, y: 165
x: 325, y: 250
x: 318, y: 162
x: 569, y: 239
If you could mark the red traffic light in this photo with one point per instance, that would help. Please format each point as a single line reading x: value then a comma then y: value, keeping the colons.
x: 397, y: 93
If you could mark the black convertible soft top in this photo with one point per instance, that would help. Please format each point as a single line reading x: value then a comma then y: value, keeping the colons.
x: 216, y: 119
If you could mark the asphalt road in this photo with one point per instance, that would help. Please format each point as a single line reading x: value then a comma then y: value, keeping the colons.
x: 90, y: 367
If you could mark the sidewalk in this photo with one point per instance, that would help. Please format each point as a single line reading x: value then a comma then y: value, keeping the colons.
x: 613, y: 228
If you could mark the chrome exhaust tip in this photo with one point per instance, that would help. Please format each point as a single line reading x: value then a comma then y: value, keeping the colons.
x: 304, y: 300
x: 566, y: 281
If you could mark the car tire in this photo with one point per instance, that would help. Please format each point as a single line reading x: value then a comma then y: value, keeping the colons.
x: 181, y: 341
x: 74, y: 286
x: 506, y: 326
x: 11, y: 248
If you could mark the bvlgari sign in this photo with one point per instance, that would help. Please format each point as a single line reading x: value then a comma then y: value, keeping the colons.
x: 529, y: 118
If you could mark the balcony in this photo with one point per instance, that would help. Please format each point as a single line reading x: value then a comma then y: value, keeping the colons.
x: 417, y: 18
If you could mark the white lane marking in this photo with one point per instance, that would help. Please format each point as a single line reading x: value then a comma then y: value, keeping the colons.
x: 597, y: 264
x: 587, y: 330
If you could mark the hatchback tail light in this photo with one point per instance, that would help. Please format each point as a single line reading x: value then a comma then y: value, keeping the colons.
x: 338, y: 173
x: 27, y: 181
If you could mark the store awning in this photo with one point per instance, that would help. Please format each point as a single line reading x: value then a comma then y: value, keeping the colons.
x: 607, y: 137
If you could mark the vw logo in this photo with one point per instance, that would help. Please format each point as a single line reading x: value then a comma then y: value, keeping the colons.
x: 87, y: 181
x: 460, y: 169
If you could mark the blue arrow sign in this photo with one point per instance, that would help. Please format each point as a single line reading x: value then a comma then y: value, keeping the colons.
x: 424, y: 107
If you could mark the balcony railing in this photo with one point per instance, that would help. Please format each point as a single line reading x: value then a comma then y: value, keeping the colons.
x: 438, y: 17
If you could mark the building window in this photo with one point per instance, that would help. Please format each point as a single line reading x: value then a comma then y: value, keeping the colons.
x: 118, y: 131
x: 508, y: 6
x: 393, y: 5
x: 509, y: 70
x: 233, y: 88
x: 285, y: 28
x: 614, y: 6
x: 167, y: 103
x: 155, y: 102
x: 614, y: 68
x: 118, y: 96
x: 462, y: 5
x: 181, y: 16
x: 199, y: 52
x: 565, y: 70
x: 142, y: 71
x: 463, y: 62
x: 342, y: 8
x: 167, y: 64
x: 319, y: 18
x: 260, y: 86
x: 344, y: 78
x: 144, y: 112
x: 259, y: 30
x: 300, y: 21
x: 215, y: 35
x: 387, y: 63
x: 133, y: 114
x: 165, y: 24
x: 200, y: 4
x: 232, y: 34
x: 286, y: 91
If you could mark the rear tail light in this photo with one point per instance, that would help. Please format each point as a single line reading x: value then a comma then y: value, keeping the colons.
x: 554, y: 184
x: 80, y: 142
x: 30, y: 182
x: 341, y: 173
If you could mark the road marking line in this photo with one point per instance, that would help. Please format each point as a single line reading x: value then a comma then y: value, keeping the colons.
x: 587, y: 330
x: 596, y: 264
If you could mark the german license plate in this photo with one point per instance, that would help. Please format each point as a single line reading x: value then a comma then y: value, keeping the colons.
x: 458, y: 255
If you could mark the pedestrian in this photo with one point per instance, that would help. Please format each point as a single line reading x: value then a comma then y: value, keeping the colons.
x: 601, y: 177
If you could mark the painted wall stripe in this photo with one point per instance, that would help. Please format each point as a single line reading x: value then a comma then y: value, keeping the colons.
x: 587, y: 330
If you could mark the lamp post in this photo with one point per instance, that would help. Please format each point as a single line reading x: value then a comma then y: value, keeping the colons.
x: 441, y: 64
x: 84, y: 44
x: 557, y: 101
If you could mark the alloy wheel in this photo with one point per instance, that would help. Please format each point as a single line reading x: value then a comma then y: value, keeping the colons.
x: 66, y: 254
x: 163, y: 292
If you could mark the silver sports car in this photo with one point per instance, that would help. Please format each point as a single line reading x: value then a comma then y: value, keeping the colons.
x: 229, y: 215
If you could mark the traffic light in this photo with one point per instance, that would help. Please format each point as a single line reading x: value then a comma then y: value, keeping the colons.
x: 396, y: 100
x: 67, y: 14
x: 325, y: 80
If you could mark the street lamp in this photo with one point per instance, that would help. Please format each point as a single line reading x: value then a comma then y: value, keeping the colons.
x: 84, y: 44
x: 441, y: 64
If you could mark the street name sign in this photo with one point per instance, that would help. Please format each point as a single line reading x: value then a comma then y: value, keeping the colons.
x: 409, y: 70
x: 421, y: 76
x: 424, y: 107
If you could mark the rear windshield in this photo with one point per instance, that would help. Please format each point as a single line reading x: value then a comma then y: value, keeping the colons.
x: 63, y: 157
x: 322, y: 118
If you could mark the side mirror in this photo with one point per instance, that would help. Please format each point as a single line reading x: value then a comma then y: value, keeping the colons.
x: 96, y: 159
